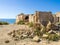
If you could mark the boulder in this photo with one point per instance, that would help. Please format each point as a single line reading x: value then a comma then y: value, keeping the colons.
x: 24, y: 35
x: 36, y: 38
x: 7, y: 41
x: 52, y: 32
x: 45, y: 35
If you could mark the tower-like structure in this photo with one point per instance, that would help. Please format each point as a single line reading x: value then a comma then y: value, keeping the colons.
x: 58, y: 16
x: 43, y: 17
x: 20, y: 17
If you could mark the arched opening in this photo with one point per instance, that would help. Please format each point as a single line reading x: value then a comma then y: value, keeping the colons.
x: 26, y: 18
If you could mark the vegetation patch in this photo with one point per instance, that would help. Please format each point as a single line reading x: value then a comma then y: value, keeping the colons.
x: 53, y: 37
x: 4, y: 23
x: 31, y: 24
x: 21, y: 22
x: 37, y: 31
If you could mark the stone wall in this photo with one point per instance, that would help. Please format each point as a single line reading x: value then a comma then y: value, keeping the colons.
x: 55, y: 18
x: 37, y: 17
x: 20, y: 17
x: 43, y: 17
x: 31, y: 18
x: 58, y: 16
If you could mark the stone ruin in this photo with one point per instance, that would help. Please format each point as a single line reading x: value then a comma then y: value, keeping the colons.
x: 37, y: 17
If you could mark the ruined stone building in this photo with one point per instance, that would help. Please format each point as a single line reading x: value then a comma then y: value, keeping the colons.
x: 39, y: 17
x: 58, y: 16
x: 22, y: 17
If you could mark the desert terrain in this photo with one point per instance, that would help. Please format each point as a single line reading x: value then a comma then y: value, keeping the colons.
x: 5, y: 29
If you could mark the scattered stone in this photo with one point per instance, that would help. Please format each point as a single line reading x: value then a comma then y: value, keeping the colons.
x: 16, y: 39
x: 7, y: 41
x: 58, y: 33
x: 45, y: 35
x: 10, y: 33
x: 13, y: 35
x: 31, y: 35
x: 24, y: 35
x: 36, y: 39
x: 50, y: 31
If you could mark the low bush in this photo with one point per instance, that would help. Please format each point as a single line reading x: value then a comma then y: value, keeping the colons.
x: 30, y: 24
x: 21, y: 22
x: 4, y: 23
x: 38, y: 32
x: 53, y: 37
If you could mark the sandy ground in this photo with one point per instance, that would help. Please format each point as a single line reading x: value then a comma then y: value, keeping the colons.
x: 4, y: 29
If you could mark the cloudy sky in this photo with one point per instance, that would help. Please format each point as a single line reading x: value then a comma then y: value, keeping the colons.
x: 10, y: 8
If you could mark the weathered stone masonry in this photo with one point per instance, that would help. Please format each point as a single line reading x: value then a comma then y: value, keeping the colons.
x: 39, y: 17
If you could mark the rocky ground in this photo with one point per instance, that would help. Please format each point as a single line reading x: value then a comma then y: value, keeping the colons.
x: 7, y: 40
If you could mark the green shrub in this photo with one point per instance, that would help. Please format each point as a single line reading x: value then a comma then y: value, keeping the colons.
x: 21, y: 22
x: 0, y: 23
x: 44, y: 30
x: 53, y: 37
x: 38, y: 32
x: 4, y: 23
x: 31, y: 24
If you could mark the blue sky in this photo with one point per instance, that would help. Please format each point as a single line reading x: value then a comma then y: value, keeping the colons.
x: 10, y: 8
